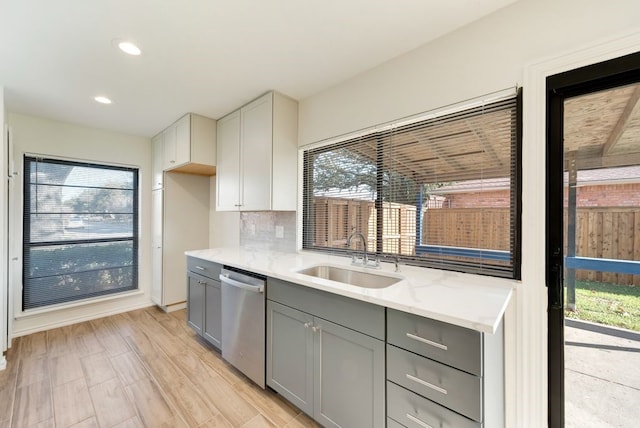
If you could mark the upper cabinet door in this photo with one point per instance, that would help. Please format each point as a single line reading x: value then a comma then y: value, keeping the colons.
x: 256, y: 154
x: 170, y: 141
x: 158, y: 160
x: 183, y: 140
x: 228, y: 159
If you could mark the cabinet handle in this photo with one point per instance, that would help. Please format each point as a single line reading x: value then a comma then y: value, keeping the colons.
x: 172, y: 161
x: 307, y: 325
x: 427, y: 384
x: 418, y: 421
x: 427, y: 341
x: 315, y: 329
x: 200, y: 268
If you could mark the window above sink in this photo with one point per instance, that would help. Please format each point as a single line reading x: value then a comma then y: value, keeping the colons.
x: 440, y: 191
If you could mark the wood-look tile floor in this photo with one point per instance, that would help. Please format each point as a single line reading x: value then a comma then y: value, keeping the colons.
x: 139, y: 369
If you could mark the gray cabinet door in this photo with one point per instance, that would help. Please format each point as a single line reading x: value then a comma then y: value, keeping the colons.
x: 290, y: 354
x: 349, y: 377
x: 195, y: 303
x: 213, y: 313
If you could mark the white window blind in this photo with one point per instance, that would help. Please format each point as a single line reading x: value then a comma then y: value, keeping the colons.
x: 441, y: 192
x: 80, y: 235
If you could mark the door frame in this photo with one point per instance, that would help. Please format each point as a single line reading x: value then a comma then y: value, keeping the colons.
x: 559, y: 87
x: 526, y: 318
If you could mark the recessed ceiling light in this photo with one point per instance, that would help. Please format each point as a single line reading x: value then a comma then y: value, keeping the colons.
x: 102, y: 100
x: 129, y: 48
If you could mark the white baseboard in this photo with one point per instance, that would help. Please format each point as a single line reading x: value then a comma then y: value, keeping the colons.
x: 75, y: 320
x: 3, y: 362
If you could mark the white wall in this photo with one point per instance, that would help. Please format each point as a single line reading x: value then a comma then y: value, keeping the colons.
x: 35, y: 135
x: 483, y: 57
x: 492, y: 54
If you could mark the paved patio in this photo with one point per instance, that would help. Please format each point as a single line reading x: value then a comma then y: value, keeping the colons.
x: 602, y: 376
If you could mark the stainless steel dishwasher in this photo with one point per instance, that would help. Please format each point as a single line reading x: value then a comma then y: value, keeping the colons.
x: 243, y: 323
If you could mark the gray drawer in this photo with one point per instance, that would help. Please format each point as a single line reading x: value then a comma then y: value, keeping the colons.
x: 414, y: 411
x: 357, y: 315
x: 204, y: 267
x: 452, y: 345
x: 454, y: 389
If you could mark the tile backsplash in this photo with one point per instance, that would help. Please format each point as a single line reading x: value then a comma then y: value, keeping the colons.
x: 270, y: 230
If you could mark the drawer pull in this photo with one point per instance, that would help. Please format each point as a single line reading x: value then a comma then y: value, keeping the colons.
x: 200, y: 268
x: 418, y: 421
x: 427, y: 384
x: 427, y: 341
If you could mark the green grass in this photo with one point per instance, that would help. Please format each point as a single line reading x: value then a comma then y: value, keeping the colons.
x: 609, y: 304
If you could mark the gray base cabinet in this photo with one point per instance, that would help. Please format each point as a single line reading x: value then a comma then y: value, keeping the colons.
x: 349, y: 363
x: 441, y: 375
x: 204, y: 310
x: 348, y: 377
x: 195, y: 303
x: 330, y: 371
x: 290, y: 354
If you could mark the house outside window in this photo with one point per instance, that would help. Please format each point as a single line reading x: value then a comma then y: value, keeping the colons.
x: 396, y: 185
x: 80, y: 237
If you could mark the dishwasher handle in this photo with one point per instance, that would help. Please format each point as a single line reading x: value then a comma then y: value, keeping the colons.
x: 242, y: 285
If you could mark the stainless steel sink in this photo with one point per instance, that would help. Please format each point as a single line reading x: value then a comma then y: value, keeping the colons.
x: 350, y: 276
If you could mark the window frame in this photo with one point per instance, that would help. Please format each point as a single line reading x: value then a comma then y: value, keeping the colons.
x: 26, y: 229
x: 515, y: 192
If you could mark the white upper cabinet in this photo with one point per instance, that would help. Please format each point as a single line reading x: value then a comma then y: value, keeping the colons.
x: 189, y: 145
x: 169, y: 136
x: 257, y: 156
x: 227, y: 176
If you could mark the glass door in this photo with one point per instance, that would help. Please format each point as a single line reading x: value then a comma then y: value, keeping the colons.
x: 602, y: 258
x: 593, y: 245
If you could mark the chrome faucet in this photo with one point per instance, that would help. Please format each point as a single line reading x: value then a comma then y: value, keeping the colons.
x: 365, y: 256
x: 364, y: 243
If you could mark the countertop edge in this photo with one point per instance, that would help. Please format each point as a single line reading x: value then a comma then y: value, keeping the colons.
x: 502, y: 293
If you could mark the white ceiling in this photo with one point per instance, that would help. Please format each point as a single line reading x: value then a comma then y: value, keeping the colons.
x: 202, y: 56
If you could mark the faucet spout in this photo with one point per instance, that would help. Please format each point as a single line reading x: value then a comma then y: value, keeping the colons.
x: 356, y: 234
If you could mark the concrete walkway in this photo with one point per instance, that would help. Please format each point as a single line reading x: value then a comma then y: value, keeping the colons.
x: 602, y: 376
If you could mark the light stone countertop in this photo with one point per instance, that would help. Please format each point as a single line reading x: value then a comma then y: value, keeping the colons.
x: 472, y: 301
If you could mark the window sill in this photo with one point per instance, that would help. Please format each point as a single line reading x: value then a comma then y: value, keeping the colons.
x: 84, y: 302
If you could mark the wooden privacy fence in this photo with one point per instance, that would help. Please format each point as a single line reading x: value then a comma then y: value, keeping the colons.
x: 486, y: 228
x: 607, y: 233
x: 334, y: 218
